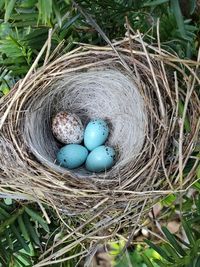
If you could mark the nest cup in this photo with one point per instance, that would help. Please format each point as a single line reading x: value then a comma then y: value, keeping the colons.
x: 103, y: 93
x: 153, y: 111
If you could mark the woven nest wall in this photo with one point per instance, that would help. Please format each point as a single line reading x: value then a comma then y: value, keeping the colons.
x: 154, y: 136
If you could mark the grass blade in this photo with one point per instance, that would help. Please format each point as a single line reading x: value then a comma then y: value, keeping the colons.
x: 173, y: 242
x: 197, y: 262
x: 45, y: 10
x: 171, y: 251
x: 179, y: 17
x: 9, y: 9
x: 23, y: 228
x: 19, y: 238
x: 36, y: 217
x: 147, y: 261
x: 11, y: 220
x: 19, y: 262
x: 31, y: 230
x: 2, y: 3
x: 25, y: 258
x: 4, y: 213
x: 160, y: 251
x: 2, y: 204
x: 4, y: 253
x: 8, y: 238
x: 188, y: 231
x: 193, y: 4
x: 57, y: 13
x: 155, y: 3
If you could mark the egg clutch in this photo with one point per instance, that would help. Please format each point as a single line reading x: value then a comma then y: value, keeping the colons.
x: 82, y: 146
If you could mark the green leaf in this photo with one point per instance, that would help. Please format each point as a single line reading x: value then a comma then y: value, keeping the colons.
x: 9, y: 221
x: 19, y: 238
x: 28, y: 3
x: 4, y: 213
x: 183, y: 242
x: 8, y: 238
x: 147, y: 261
x: 36, y: 217
x: 197, y: 262
x: 173, y: 242
x: 2, y: 260
x: 162, y: 264
x: 194, y: 219
x: 2, y: 3
x: 9, y: 9
x: 24, y: 24
x: 160, y: 251
x: 25, y: 258
x: 25, y: 17
x: 38, y: 33
x: 23, y: 228
x: 37, y: 38
x: 57, y: 13
x: 179, y: 17
x: 45, y: 10
x: 4, y: 252
x: 5, y: 207
x: 4, y: 89
x: 2, y: 217
x: 31, y: 230
x: 193, y: 4
x: 171, y: 251
x: 12, y: 48
x: 198, y: 171
x: 155, y: 3
x: 19, y: 262
x: 168, y: 200
x: 198, y: 205
x: 188, y: 231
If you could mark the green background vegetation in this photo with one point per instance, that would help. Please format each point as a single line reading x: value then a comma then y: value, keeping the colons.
x: 24, y: 26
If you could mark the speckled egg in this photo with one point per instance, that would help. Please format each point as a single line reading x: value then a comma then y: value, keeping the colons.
x: 100, y: 159
x: 67, y: 128
x: 96, y: 133
x: 72, y: 156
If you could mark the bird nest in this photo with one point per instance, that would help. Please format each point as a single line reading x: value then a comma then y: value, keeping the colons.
x: 153, y: 115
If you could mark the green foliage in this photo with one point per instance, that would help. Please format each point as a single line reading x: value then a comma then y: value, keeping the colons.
x: 8, y: 9
x: 137, y: 256
x: 24, y: 28
x: 177, y: 32
x: 6, y: 81
x: 25, y: 235
x: 45, y: 10
x: 176, y: 251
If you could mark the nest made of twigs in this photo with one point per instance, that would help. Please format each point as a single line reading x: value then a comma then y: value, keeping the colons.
x: 153, y: 132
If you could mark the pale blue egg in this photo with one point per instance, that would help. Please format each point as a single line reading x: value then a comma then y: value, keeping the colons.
x: 96, y: 133
x: 72, y: 156
x: 100, y: 159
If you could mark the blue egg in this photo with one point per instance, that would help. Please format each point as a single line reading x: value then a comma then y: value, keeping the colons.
x: 100, y: 159
x: 96, y: 133
x: 72, y: 156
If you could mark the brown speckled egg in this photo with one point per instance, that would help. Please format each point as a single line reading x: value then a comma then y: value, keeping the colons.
x: 67, y: 128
